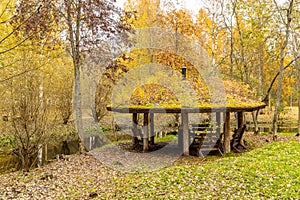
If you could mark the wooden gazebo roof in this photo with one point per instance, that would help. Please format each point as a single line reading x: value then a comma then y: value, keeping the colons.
x: 235, y: 97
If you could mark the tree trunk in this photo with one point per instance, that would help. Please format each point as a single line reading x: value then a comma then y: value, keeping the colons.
x: 260, y: 72
x: 25, y: 162
x: 231, y: 50
x: 282, y: 58
x: 75, y: 50
x: 243, y: 57
x: 269, y: 103
x: 278, y: 99
x: 298, y: 67
x: 40, y: 155
x: 40, y: 146
x: 77, y: 106
x: 213, y: 37
x: 46, y: 153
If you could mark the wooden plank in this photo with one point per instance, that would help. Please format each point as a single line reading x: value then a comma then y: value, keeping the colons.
x: 185, y: 131
x: 227, y: 133
x: 134, y: 128
x: 146, y: 132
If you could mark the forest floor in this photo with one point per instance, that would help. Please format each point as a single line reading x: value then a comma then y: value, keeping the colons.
x: 268, y: 170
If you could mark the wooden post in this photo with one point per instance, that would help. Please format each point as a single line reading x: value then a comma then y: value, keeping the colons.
x: 240, y: 119
x: 218, y: 121
x: 146, y: 132
x: 254, y: 117
x: 185, y: 132
x: 241, y: 124
x: 227, y: 133
x: 180, y: 137
x: 134, y: 128
x: 152, y: 128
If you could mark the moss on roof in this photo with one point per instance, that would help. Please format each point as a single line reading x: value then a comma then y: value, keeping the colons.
x: 229, y: 94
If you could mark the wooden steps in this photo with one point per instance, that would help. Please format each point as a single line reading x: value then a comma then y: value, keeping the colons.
x: 205, y: 140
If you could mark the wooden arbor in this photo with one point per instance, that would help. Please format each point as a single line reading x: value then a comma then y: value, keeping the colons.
x: 148, y: 125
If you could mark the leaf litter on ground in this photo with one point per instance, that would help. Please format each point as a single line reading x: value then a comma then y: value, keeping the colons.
x: 269, y: 172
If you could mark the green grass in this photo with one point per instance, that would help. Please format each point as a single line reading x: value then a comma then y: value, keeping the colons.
x: 167, y: 138
x: 286, y: 133
x: 280, y: 133
x: 271, y: 172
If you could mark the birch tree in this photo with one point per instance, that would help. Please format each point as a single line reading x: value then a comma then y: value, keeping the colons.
x: 212, y: 24
x: 296, y: 54
x: 286, y: 18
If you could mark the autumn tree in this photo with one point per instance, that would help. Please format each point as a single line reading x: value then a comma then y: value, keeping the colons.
x: 86, y: 23
x: 296, y: 53
x: 62, y: 82
x: 144, y: 13
x: 9, y: 39
x: 286, y: 19
x: 29, y: 117
x: 29, y: 100
x: 209, y: 22
x: 250, y: 26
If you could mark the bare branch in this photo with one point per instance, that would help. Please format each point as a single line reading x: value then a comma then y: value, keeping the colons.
x: 5, y: 8
x: 12, y: 48
x: 18, y: 27
x: 25, y: 72
x: 275, y: 77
